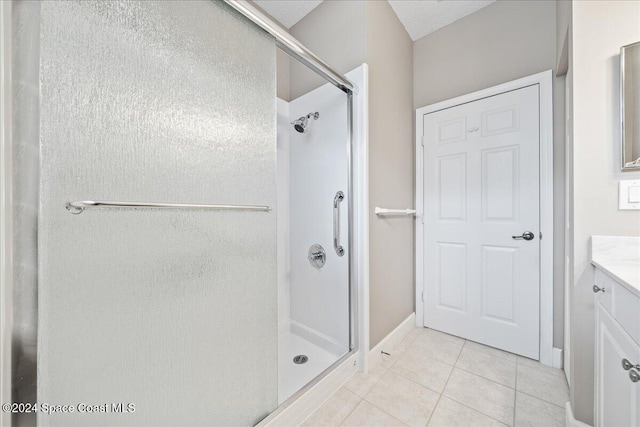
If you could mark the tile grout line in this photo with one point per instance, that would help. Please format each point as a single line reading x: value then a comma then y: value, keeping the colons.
x: 475, y: 410
x: 489, y: 379
x: 330, y: 397
x: 515, y: 360
x: 353, y: 410
x: 417, y: 383
x: 491, y: 354
x: 387, y: 370
x: 467, y: 406
x: 541, y: 400
x: 429, y: 357
x: 381, y: 410
x: 445, y: 384
x: 486, y: 353
x: 409, y: 379
x: 401, y: 353
x: 549, y: 377
x: 529, y: 394
x: 364, y: 399
x: 437, y: 359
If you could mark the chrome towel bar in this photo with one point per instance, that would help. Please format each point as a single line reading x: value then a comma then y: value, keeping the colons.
x: 385, y: 211
x: 80, y: 206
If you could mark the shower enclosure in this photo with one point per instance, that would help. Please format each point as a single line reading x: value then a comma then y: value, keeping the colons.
x: 192, y: 269
x: 313, y: 189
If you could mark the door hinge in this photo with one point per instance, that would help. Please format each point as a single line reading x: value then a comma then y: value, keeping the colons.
x: 422, y: 296
x: 422, y: 140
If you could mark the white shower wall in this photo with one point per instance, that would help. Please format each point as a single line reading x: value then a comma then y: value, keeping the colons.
x: 318, y: 300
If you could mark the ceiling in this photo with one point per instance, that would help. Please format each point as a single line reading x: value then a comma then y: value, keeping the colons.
x: 288, y: 12
x: 419, y: 17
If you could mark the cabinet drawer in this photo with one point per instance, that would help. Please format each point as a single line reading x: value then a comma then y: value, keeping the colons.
x: 626, y: 310
x: 621, y: 304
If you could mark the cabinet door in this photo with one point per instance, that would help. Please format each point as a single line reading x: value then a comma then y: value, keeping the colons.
x: 617, y: 397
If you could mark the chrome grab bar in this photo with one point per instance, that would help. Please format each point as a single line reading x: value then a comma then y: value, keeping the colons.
x: 336, y: 223
x: 80, y: 206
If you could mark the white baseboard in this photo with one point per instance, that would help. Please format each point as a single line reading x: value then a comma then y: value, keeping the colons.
x: 300, y: 409
x: 557, y: 358
x: 570, y: 420
x: 389, y: 342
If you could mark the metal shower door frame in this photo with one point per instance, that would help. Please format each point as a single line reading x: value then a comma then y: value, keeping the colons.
x: 285, y: 42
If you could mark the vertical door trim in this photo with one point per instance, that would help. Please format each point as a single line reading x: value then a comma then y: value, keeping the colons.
x: 544, y: 82
x: 6, y: 211
x: 360, y: 227
x: 567, y: 230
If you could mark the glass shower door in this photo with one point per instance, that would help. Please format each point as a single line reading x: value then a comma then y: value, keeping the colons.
x: 173, y: 311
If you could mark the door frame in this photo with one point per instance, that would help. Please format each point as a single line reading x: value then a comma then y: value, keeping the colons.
x: 544, y: 81
x: 6, y: 210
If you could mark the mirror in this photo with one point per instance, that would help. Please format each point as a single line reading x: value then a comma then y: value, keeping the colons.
x: 630, y: 97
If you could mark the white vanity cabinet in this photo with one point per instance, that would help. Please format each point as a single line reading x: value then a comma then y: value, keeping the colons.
x: 617, y: 359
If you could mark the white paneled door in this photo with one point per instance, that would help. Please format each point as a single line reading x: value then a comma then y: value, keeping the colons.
x: 482, y: 221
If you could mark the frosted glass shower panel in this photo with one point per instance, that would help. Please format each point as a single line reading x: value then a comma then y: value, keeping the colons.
x: 174, y: 311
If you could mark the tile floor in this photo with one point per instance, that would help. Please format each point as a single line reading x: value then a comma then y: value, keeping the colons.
x: 435, y: 379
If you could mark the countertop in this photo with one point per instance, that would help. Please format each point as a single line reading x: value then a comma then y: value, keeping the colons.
x: 619, y: 258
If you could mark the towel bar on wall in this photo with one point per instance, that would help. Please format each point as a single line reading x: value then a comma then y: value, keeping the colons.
x: 385, y: 211
x: 80, y: 206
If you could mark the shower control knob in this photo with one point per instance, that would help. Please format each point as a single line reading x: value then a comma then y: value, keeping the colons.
x: 317, y: 256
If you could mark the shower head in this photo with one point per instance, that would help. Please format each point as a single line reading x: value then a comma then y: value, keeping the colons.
x: 301, y: 125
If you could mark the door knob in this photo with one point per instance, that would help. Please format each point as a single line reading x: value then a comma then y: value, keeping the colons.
x: 634, y: 376
x: 527, y: 235
x: 597, y: 289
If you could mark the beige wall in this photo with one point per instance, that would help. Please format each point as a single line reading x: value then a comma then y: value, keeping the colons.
x: 336, y: 32
x: 391, y: 171
x: 599, y: 29
x: 563, y: 17
x: 347, y: 34
x: 502, y: 42
x: 283, y: 62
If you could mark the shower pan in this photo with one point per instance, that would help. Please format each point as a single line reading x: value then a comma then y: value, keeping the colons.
x: 173, y: 249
